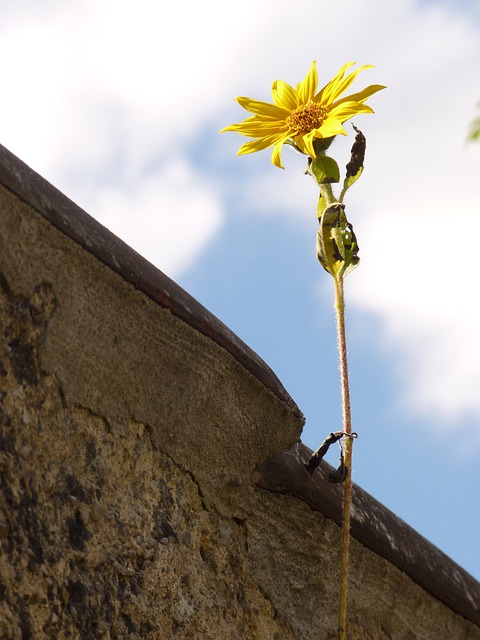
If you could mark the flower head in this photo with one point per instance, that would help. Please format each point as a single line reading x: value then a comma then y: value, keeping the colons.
x: 301, y: 115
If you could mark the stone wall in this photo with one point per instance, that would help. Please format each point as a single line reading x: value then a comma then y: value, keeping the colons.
x: 134, y: 433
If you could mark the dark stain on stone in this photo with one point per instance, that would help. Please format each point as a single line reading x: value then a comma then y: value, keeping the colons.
x: 106, y: 606
x: 90, y: 453
x: 29, y: 522
x: 22, y: 358
x: 75, y: 489
x: 165, y: 494
x: 24, y: 524
x: 70, y: 488
x: 129, y: 624
x: 78, y: 599
x: 24, y: 620
x: 25, y: 332
x: 162, y: 528
x: 50, y: 592
x: 129, y: 586
x: 136, y: 584
x: 77, y: 594
x: 7, y: 438
x: 92, y: 603
x: 78, y: 533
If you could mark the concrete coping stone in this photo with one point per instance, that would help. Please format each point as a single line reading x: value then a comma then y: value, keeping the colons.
x: 80, y: 227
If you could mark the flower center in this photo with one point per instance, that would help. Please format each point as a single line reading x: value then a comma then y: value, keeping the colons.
x: 307, y: 117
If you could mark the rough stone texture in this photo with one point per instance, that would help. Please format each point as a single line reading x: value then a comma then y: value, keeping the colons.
x: 295, y: 555
x: 128, y: 504
x: 377, y: 528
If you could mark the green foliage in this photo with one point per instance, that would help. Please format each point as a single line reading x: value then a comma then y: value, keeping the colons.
x: 337, y: 248
x: 325, y: 170
x: 349, y: 180
x: 474, y: 133
x: 354, y: 168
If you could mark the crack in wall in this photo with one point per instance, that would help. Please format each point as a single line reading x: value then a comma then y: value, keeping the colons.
x: 109, y: 534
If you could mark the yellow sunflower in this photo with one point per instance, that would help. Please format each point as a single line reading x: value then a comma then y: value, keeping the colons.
x: 301, y: 115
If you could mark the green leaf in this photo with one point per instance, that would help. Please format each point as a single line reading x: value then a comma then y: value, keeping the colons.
x: 325, y: 170
x: 355, y: 165
x: 474, y: 133
x: 320, y: 145
x: 349, y: 180
x: 337, y: 248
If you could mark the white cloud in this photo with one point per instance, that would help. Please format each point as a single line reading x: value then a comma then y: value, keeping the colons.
x: 102, y: 97
x: 419, y: 234
x: 169, y: 216
x: 96, y: 93
x: 418, y: 273
x: 416, y: 210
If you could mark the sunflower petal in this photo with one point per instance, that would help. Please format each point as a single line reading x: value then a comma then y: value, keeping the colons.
x: 308, y: 142
x: 330, y: 128
x: 277, y: 154
x: 256, y: 129
x: 261, y: 143
x: 340, y: 87
x: 306, y: 89
x: 284, y: 96
x: 361, y: 96
x: 346, y: 110
x: 262, y: 109
x: 322, y: 95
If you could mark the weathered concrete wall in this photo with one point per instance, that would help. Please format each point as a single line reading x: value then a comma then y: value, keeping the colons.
x: 128, y: 499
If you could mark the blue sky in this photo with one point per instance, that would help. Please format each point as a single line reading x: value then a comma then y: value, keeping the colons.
x: 119, y: 105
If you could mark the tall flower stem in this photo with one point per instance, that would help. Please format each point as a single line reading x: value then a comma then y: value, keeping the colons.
x: 347, y: 441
